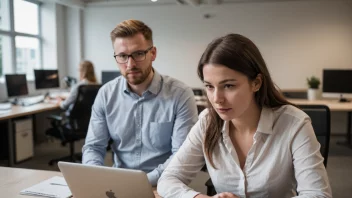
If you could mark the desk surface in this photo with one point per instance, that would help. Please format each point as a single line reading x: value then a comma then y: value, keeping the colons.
x: 13, y: 180
x: 18, y: 111
x: 334, y: 105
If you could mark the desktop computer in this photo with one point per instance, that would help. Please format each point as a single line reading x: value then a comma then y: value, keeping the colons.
x: 16, y: 85
x: 107, y: 76
x: 48, y: 79
x: 337, y: 83
x: 45, y: 79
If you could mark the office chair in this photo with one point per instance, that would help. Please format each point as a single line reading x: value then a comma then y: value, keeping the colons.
x: 295, y: 94
x: 75, y: 126
x: 320, y: 117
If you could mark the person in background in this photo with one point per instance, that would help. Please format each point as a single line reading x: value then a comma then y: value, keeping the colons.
x: 146, y: 115
x: 253, y: 142
x: 86, y: 76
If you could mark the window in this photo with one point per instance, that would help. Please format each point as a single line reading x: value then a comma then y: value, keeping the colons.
x: 24, y: 61
x: 20, y: 39
x: 26, y: 17
x: 5, y: 55
x: 4, y: 15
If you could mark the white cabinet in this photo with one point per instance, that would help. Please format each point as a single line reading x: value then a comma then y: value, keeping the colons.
x: 23, y: 139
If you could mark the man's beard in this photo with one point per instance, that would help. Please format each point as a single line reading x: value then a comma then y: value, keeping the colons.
x: 140, y: 79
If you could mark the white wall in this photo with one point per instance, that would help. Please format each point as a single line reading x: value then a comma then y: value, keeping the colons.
x: 73, y: 40
x: 49, y: 34
x: 61, y: 50
x: 297, y: 38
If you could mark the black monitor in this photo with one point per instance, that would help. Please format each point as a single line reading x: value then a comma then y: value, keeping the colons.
x: 106, y: 76
x: 45, y: 79
x: 16, y: 85
x: 337, y: 83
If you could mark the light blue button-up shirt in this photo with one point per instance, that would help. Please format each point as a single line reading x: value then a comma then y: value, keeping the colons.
x: 146, y: 130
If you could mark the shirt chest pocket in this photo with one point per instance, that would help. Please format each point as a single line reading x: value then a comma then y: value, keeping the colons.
x: 160, y: 134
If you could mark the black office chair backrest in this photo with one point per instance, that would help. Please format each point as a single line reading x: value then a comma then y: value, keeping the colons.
x: 295, y: 94
x: 81, y: 111
x: 320, y: 116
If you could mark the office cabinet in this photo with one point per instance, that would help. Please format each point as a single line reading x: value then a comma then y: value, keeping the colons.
x: 4, y: 145
x: 23, y: 139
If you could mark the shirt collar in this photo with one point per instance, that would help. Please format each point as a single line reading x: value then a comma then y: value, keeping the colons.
x: 265, y: 124
x: 154, y: 86
x: 266, y: 121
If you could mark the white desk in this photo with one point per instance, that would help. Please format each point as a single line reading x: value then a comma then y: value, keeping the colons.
x: 19, y: 111
x: 13, y: 180
x: 333, y: 105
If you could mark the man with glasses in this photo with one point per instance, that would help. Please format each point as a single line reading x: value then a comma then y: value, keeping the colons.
x: 145, y: 114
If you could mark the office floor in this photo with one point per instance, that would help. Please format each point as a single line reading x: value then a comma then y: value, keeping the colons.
x: 339, y: 165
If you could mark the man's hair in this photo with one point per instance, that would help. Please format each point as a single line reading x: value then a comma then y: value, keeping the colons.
x: 130, y: 28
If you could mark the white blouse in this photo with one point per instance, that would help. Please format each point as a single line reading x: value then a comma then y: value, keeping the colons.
x: 284, y: 158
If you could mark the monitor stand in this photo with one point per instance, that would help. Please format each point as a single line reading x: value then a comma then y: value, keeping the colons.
x: 342, y: 99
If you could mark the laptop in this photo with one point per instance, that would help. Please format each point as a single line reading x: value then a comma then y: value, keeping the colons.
x: 88, y: 181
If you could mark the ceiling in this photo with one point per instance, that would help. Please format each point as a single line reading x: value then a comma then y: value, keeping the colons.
x: 94, y: 3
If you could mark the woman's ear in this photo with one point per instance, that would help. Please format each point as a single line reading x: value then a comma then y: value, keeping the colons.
x: 257, y: 83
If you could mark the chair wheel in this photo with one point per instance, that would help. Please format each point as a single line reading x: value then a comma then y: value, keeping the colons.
x: 51, y: 163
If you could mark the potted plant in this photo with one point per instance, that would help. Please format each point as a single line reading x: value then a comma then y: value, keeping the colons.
x: 313, y: 85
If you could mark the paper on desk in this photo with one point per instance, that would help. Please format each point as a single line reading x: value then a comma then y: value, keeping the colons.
x: 55, y: 187
x: 5, y: 111
x: 5, y: 106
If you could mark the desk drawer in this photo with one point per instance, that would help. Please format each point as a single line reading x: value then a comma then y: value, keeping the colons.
x: 23, y: 125
x: 24, y: 145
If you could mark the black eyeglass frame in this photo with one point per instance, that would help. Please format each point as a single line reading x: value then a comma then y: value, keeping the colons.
x: 131, y: 55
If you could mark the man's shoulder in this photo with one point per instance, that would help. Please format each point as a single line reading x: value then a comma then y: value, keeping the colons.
x: 174, y: 84
x: 111, y: 86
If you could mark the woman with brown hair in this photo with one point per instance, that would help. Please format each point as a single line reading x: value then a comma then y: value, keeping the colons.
x: 87, y: 76
x: 252, y: 140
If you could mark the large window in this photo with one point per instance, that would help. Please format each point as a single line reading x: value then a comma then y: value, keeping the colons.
x: 20, y: 39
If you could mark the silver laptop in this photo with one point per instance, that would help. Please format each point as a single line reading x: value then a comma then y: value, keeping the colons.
x: 87, y: 181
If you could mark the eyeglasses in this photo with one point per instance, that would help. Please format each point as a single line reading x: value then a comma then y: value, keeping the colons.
x: 136, y: 56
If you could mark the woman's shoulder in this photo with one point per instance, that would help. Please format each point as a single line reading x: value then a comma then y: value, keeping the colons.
x: 289, y: 118
x: 290, y: 111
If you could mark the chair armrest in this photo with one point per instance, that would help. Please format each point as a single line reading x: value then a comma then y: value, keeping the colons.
x: 55, y: 117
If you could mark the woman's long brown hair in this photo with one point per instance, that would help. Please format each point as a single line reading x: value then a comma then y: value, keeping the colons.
x: 238, y: 53
x: 87, y: 71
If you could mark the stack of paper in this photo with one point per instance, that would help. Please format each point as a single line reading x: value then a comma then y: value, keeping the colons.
x: 5, y: 107
x: 55, y: 187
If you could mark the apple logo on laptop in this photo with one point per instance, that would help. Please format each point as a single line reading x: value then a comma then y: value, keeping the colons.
x: 110, y: 194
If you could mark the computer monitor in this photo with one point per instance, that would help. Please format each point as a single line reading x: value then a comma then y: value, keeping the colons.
x: 45, y: 79
x: 106, y: 76
x: 337, y: 83
x: 16, y: 85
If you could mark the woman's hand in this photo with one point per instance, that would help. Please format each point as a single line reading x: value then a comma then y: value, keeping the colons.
x: 225, y: 195
x: 59, y: 100
x: 220, y: 195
